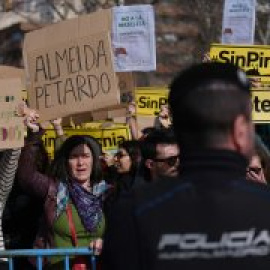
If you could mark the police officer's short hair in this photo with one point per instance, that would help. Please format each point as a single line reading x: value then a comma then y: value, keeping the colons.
x: 205, y: 99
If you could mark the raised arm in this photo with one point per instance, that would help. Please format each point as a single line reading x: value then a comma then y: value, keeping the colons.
x: 28, y: 175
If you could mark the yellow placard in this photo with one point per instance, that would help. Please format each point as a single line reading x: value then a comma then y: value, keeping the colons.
x: 108, y: 137
x: 49, y: 141
x: 264, y: 82
x: 255, y: 59
x: 149, y: 100
x: 261, y: 106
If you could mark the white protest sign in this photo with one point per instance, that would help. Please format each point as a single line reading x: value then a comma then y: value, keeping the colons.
x: 238, y: 24
x: 133, y: 38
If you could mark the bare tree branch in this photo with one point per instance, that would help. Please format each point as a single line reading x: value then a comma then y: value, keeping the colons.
x: 263, y: 21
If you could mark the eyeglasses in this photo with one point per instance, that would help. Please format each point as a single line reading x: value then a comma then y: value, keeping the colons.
x: 256, y: 170
x: 171, y: 161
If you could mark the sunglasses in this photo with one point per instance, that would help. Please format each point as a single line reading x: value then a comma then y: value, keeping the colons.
x: 171, y: 161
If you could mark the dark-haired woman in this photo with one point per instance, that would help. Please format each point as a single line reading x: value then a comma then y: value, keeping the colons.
x: 126, y: 174
x: 126, y: 178
x: 73, y: 212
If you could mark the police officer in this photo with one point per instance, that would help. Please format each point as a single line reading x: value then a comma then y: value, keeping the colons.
x: 211, y: 217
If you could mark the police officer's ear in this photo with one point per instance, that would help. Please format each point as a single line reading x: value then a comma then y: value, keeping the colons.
x: 241, y: 134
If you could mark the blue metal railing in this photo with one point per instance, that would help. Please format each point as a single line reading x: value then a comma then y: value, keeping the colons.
x: 40, y: 253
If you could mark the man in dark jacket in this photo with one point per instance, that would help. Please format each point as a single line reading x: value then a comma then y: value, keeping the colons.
x: 211, y: 217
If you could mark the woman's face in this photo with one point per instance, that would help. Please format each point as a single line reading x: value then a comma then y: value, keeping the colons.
x: 122, y: 161
x: 80, y: 163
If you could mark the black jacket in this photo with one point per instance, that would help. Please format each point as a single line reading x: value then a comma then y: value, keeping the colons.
x: 209, y: 218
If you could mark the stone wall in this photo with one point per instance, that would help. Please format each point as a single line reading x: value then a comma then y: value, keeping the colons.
x: 175, y: 39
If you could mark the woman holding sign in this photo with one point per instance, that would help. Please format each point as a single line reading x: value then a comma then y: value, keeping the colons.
x: 9, y: 159
x: 73, y: 215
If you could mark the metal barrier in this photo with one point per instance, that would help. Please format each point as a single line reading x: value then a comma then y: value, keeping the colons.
x: 40, y: 253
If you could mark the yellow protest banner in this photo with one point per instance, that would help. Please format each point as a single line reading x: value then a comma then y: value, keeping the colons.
x: 264, y: 82
x: 49, y: 141
x: 108, y: 137
x: 149, y: 100
x: 255, y: 59
x: 261, y: 106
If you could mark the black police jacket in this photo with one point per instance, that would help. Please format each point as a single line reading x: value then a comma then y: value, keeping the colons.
x: 211, y: 217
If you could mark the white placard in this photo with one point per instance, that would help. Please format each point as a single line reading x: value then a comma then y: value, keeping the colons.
x: 238, y: 22
x: 133, y: 38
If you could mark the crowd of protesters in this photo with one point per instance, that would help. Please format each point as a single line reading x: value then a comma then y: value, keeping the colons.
x: 61, y: 203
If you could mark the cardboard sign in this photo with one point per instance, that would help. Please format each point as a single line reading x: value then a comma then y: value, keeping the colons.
x: 7, y: 72
x: 11, y: 126
x: 145, y: 121
x: 109, y: 114
x: 149, y: 100
x: 108, y: 137
x: 69, y: 67
x: 238, y: 25
x: 255, y: 60
x: 127, y: 86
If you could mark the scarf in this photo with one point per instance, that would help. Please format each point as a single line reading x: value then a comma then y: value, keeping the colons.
x: 87, y: 204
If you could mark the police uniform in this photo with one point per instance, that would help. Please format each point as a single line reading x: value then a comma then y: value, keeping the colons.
x: 211, y: 217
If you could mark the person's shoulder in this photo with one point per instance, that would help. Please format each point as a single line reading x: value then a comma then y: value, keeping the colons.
x: 158, y: 192
x: 253, y: 189
x: 150, y: 189
x: 147, y: 191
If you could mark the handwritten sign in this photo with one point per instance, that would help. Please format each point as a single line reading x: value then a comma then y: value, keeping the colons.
x: 11, y: 126
x: 73, y: 71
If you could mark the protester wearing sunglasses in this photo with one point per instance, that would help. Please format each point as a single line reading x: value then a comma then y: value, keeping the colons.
x: 160, y: 155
